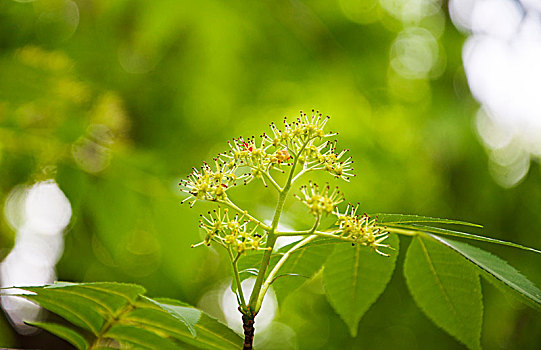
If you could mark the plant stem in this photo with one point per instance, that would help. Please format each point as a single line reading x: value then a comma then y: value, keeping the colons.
x: 232, y: 205
x: 240, y: 293
x: 400, y: 231
x: 281, y: 262
x: 271, y: 240
x: 300, y: 233
x: 254, y: 306
x: 272, y: 181
x: 248, y: 326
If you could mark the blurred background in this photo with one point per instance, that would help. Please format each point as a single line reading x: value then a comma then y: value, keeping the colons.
x: 106, y: 104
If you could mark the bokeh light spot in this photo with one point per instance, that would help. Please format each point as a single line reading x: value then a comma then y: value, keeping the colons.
x: 414, y: 53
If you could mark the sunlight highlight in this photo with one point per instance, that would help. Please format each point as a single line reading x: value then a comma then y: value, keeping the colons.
x: 39, y: 215
x: 501, y: 60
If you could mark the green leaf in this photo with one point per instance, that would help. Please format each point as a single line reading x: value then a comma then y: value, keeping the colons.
x: 301, y: 265
x: 139, y: 338
x: 187, y: 315
x: 251, y: 260
x: 354, y: 277
x: 63, y: 332
x: 109, y: 297
x: 411, y: 219
x: 446, y: 287
x: 81, y: 312
x: 498, y: 271
x: 412, y: 229
x: 86, y: 305
x: 120, y: 312
x: 210, y: 333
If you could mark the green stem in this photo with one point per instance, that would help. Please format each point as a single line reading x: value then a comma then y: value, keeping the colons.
x: 272, y: 181
x: 281, y: 262
x: 232, y: 205
x: 271, y: 240
x: 271, y: 237
x: 400, y: 231
x: 292, y: 233
x: 332, y: 234
x: 300, y: 233
x: 237, y: 279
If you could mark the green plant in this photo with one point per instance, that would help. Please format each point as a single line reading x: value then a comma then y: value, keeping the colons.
x: 357, y: 254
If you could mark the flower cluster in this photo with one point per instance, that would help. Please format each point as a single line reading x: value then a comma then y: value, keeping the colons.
x: 301, y: 140
x: 300, y: 145
x: 295, y: 134
x: 360, y: 229
x: 320, y: 202
x: 325, y: 157
x: 209, y: 184
x: 260, y: 160
x: 236, y: 232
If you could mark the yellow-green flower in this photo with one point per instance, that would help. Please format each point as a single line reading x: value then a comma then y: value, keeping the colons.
x: 318, y: 201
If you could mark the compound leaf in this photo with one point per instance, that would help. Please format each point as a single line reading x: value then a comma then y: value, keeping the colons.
x: 120, y: 312
x: 165, y: 314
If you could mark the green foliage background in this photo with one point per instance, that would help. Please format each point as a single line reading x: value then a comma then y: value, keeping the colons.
x: 173, y: 80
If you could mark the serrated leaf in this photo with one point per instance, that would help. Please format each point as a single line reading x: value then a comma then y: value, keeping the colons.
x: 410, y: 219
x: 79, y: 311
x: 210, y: 333
x: 187, y: 315
x: 413, y: 228
x: 66, y: 333
x: 354, y: 277
x: 109, y: 297
x: 86, y: 305
x: 498, y: 271
x: 446, y: 287
x: 120, y: 312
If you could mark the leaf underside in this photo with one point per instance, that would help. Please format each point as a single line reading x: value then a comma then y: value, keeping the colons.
x: 354, y: 278
x: 68, y: 334
x: 101, y: 312
x: 498, y: 272
x: 389, y: 219
x: 415, y: 228
x: 447, y: 289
